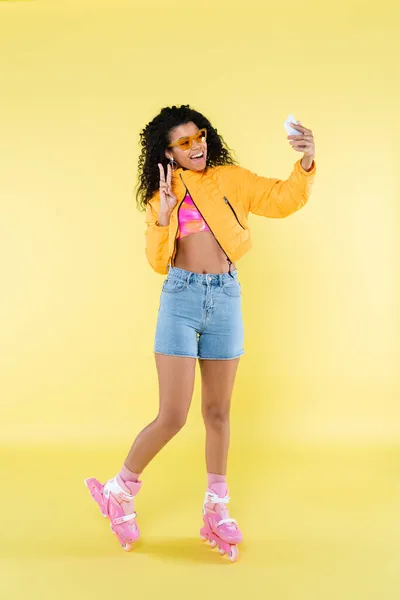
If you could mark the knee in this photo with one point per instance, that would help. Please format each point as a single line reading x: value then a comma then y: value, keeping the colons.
x: 172, y: 422
x: 215, y: 416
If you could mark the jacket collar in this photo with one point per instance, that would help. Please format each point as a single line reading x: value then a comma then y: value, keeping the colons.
x: 189, y: 174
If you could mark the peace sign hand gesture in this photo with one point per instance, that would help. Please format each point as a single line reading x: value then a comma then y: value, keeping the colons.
x: 168, y: 199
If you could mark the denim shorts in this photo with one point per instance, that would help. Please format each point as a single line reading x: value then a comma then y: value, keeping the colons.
x: 200, y: 315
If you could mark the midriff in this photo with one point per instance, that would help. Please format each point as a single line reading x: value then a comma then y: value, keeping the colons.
x: 200, y: 253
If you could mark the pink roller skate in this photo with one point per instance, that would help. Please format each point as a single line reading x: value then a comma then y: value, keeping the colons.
x: 219, y: 528
x: 115, y: 499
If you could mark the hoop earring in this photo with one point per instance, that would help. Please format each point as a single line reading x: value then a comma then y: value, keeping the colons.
x: 171, y: 162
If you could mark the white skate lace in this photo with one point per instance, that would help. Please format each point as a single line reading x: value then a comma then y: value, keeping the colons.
x: 215, y: 499
x: 113, y: 487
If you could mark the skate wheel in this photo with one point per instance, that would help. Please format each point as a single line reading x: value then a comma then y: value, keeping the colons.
x: 127, y: 547
x: 233, y: 554
x: 221, y: 551
x: 213, y: 543
x: 203, y: 537
x: 112, y: 530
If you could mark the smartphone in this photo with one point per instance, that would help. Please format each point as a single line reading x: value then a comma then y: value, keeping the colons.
x: 290, y: 130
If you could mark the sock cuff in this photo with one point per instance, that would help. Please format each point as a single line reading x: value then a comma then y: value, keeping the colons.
x: 127, y: 475
x: 215, y: 478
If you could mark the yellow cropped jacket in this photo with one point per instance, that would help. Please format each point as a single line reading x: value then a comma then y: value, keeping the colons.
x: 224, y: 195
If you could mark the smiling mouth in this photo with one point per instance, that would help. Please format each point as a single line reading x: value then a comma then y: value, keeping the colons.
x: 197, y: 157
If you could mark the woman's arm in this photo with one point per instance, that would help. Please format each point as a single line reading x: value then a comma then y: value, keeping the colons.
x: 156, y: 238
x: 307, y: 162
x: 276, y: 198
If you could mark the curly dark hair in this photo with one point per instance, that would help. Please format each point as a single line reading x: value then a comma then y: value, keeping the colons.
x: 154, y: 139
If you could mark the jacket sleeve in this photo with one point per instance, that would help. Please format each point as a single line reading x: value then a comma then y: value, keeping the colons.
x: 156, y: 238
x: 276, y: 198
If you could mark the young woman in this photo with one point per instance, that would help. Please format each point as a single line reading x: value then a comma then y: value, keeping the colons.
x: 197, y: 201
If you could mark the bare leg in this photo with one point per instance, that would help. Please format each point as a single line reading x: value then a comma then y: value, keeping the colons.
x: 176, y: 382
x: 217, y: 377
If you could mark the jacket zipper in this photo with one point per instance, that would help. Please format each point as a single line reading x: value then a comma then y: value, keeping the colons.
x: 233, y: 210
x: 228, y: 259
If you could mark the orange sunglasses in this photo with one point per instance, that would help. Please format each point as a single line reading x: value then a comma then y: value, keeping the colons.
x: 185, y: 143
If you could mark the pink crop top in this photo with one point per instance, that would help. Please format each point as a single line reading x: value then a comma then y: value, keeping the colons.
x: 189, y: 218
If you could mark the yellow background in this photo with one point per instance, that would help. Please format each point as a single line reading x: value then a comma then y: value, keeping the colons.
x: 313, y: 468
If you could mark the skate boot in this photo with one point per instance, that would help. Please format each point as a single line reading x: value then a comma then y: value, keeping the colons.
x: 219, y: 528
x: 115, y: 500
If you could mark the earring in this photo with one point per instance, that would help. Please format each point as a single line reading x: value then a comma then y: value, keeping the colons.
x: 171, y: 162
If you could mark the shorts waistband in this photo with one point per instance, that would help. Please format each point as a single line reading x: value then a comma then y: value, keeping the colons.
x: 207, y: 278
